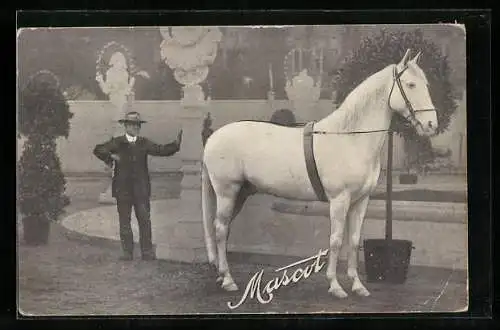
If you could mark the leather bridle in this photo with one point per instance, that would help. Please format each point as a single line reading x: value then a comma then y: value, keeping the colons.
x: 397, y: 81
x: 410, y: 118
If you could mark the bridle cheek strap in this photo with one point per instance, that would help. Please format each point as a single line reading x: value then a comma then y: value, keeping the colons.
x: 411, y: 116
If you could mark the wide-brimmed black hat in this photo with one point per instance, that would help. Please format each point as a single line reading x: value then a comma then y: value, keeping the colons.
x: 132, y: 117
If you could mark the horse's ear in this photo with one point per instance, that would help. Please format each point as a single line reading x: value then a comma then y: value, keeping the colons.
x: 405, y: 59
x: 416, y: 58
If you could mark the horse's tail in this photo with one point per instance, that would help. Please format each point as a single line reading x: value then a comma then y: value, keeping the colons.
x: 208, y: 210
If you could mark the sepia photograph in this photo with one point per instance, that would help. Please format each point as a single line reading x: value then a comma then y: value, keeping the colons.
x: 292, y: 169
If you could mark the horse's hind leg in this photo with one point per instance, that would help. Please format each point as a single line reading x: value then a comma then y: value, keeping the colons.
x: 356, y: 217
x: 338, y: 211
x: 246, y: 190
x: 244, y: 193
x: 226, y: 201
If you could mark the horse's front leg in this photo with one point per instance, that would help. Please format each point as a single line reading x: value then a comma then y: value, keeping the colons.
x: 356, y: 218
x: 225, y: 206
x: 338, y: 210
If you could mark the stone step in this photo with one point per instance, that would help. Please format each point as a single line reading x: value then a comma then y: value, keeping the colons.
x: 402, y: 210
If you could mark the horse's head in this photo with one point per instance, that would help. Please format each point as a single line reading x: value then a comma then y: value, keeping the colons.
x: 410, y: 96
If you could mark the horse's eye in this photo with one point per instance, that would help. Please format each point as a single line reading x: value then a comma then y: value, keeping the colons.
x: 411, y: 85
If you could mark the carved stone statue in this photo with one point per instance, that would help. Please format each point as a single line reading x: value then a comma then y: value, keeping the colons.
x: 120, y: 76
x: 118, y: 84
x: 189, y: 51
x: 302, y: 90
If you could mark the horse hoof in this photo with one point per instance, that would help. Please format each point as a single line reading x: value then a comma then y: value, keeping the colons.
x: 338, y: 292
x: 362, y: 292
x: 230, y: 287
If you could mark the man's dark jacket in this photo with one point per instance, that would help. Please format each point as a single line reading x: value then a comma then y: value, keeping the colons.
x: 131, y: 175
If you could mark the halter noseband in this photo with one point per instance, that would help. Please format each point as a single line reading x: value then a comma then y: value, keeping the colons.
x: 397, y: 80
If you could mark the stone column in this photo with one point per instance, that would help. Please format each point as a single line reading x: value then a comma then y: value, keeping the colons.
x: 185, y: 240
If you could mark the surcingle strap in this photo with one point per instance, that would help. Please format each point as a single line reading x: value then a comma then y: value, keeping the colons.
x: 312, y: 169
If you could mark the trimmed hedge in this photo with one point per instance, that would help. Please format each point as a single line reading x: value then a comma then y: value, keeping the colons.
x: 43, y: 116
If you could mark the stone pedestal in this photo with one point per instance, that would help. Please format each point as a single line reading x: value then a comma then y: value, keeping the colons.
x: 106, y: 197
x: 185, y: 241
x: 192, y: 97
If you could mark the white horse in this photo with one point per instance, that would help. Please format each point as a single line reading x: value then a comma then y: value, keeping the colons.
x: 246, y: 157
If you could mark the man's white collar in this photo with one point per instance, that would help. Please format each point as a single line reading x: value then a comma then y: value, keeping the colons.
x: 131, y: 138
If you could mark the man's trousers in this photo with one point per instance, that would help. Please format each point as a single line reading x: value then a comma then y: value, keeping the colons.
x: 142, y: 213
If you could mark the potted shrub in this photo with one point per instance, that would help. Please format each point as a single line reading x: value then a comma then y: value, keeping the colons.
x: 418, y: 152
x: 408, y: 177
x: 283, y: 117
x: 43, y: 116
x: 387, y: 259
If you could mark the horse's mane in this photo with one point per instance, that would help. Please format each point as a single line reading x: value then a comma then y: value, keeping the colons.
x: 359, y: 101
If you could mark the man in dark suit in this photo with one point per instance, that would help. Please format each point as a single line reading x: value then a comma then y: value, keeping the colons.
x: 131, y: 185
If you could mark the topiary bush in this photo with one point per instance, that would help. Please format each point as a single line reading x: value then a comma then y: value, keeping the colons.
x: 43, y: 117
x: 283, y: 117
x: 388, y: 47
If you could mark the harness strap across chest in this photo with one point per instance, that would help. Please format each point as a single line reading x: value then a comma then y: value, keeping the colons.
x: 312, y: 170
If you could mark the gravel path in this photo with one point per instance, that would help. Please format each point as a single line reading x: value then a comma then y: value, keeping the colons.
x: 71, y: 277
